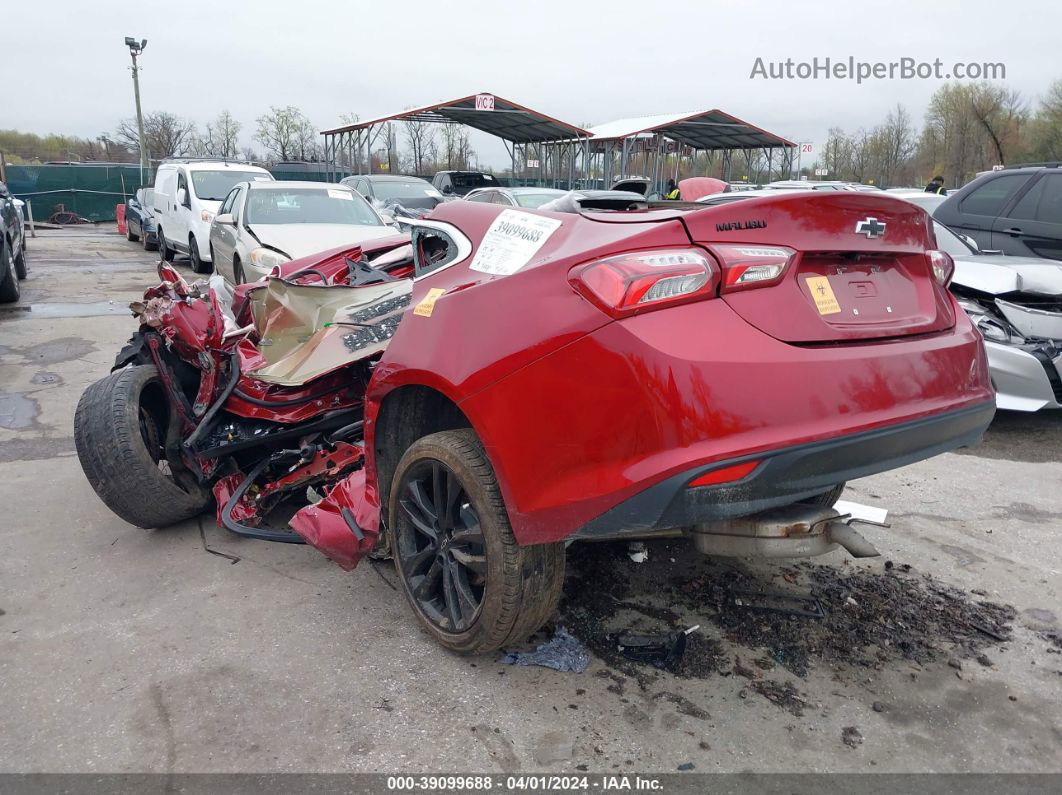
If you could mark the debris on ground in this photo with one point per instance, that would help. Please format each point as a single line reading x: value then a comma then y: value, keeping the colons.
x: 871, y: 615
x: 877, y: 706
x: 784, y: 696
x: 663, y: 651
x: 637, y: 551
x: 686, y: 766
x: 562, y: 652
x: 851, y: 737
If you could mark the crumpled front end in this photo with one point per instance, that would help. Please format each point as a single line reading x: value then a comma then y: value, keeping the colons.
x: 344, y: 526
x: 1019, y: 314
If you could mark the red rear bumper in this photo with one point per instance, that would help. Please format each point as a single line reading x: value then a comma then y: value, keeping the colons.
x: 661, y: 397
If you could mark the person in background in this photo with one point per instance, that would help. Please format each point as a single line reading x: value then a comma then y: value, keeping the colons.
x: 672, y: 191
x: 936, y: 185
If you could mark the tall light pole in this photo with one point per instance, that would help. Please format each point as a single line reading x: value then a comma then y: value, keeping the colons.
x: 135, y: 48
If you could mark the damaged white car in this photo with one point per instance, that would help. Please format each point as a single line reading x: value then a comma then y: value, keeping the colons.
x: 1016, y: 303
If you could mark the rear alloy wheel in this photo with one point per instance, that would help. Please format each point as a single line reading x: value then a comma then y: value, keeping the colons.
x: 472, y: 587
x: 198, y: 265
x: 10, y: 291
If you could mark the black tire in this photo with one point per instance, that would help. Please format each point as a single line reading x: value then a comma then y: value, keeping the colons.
x: 165, y: 251
x: 198, y: 266
x: 119, y: 431
x: 20, y: 262
x: 145, y: 240
x: 827, y: 498
x: 237, y: 270
x: 10, y: 291
x: 521, y: 585
x: 130, y: 235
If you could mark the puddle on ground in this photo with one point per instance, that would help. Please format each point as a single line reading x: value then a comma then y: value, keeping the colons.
x: 60, y: 310
x: 64, y: 349
x: 17, y: 411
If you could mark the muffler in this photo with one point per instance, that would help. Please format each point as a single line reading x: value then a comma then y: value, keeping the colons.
x: 792, y: 531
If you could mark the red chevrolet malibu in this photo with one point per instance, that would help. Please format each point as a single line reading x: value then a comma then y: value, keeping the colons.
x: 607, y: 375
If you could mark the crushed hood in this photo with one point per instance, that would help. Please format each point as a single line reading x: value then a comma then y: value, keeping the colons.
x: 996, y: 274
x: 302, y: 240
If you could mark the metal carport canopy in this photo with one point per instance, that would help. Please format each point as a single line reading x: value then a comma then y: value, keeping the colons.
x: 709, y: 129
x: 508, y: 120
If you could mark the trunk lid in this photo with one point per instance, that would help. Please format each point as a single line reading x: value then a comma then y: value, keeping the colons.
x: 860, y: 271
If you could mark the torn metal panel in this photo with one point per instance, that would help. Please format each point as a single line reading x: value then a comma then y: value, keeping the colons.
x: 303, y: 330
x: 1032, y: 322
x: 344, y: 526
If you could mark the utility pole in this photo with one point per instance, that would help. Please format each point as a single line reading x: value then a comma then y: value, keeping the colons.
x: 135, y: 48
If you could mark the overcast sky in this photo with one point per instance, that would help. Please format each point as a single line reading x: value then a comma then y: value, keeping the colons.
x: 583, y: 62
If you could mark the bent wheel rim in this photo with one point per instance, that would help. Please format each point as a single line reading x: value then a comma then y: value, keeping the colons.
x: 441, y: 552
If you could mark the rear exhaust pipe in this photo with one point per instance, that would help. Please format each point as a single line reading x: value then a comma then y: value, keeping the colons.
x: 787, y: 532
x: 857, y: 546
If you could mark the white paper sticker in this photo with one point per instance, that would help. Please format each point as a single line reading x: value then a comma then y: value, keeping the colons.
x: 334, y: 193
x: 511, y: 241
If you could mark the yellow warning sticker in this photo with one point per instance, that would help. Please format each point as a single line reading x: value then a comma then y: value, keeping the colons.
x: 427, y: 303
x: 822, y: 293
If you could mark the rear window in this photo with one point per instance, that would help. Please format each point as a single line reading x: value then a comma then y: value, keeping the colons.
x: 473, y: 180
x: 215, y: 185
x: 533, y: 200
x: 1042, y: 202
x: 309, y: 206
x: 990, y: 198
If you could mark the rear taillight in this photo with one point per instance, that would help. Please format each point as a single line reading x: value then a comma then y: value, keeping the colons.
x: 943, y: 266
x: 642, y: 280
x: 747, y: 266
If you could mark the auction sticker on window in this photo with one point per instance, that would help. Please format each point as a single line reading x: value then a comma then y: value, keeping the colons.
x: 511, y: 241
x: 822, y: 293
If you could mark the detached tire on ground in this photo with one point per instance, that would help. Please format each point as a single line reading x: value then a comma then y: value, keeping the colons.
x: 120, y: 432
x: 471, y: 586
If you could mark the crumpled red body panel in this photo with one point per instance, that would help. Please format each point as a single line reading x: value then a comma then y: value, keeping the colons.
x: 323, y: 525
x: 241, y: 512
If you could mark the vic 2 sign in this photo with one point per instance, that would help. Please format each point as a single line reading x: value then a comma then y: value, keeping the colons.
x: 484, y: 102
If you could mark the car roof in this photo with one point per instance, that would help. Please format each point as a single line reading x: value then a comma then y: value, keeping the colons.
x: 295, y: 184
x: 387, y: 178
x: 216, y: 165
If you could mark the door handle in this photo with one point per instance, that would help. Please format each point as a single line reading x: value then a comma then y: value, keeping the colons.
x: 1014, y: 231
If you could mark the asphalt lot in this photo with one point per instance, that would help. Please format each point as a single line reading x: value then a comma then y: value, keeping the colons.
x: 128, y: 650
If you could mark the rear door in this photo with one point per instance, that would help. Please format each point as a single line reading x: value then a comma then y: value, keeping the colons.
x: 977, y: 211
x: 1032, y: 227
x: 857, y: 267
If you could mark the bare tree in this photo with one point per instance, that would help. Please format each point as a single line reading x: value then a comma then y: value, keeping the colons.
x: 420, y: 136
x: 165, y: 134
x: 895, y: 144
x: 1046, y: 128
x: 222, y: 136
x: 282, y: 132
x: 1001, y: 113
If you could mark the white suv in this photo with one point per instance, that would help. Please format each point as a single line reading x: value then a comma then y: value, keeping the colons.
x: 187, y: 196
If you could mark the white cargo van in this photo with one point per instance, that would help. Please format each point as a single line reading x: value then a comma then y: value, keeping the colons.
x: 187, y: 196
